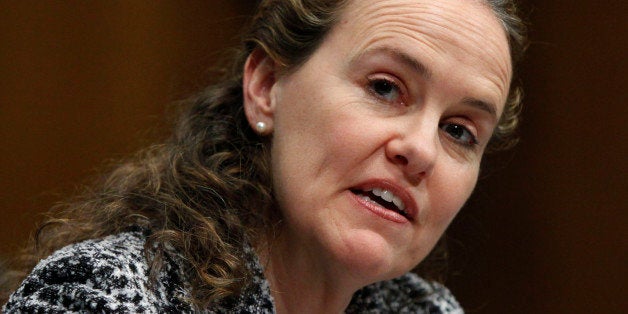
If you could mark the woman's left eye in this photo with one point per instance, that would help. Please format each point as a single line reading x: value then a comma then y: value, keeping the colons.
x: 459, y: 133
x: 385, y: 89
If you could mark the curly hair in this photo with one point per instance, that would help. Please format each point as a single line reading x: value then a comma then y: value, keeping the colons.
x: 507, y: 12
x: 207, y: 189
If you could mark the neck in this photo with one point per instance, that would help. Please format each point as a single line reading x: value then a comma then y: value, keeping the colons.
x: 304, y: 282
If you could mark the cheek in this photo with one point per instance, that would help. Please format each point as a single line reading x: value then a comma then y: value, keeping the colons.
x: 451, y: 191
x: 323, y: 127
x: 351, y: 139
x: 447, y: 193
x: 306, y: 143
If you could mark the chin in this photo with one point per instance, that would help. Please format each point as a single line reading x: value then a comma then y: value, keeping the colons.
x: 368, y: 255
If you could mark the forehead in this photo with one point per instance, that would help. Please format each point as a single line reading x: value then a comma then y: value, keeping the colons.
x: 441, y: 34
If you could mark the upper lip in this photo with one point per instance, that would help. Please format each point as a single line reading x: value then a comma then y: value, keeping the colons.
x: 409, y: 201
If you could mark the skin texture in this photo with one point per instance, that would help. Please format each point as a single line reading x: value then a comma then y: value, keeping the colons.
x: 402, y: 94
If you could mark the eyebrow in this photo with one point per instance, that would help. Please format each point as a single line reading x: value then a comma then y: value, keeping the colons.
x: 400, y: 57
x: 425, y: 72
x: 482, y: 105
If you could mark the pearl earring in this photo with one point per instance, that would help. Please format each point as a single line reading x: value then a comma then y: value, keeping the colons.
x: 260, y: 126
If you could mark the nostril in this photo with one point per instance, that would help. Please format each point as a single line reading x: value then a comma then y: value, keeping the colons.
x: 401, y: 159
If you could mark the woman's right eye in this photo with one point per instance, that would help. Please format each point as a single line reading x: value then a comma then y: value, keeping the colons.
x: 385, y: 89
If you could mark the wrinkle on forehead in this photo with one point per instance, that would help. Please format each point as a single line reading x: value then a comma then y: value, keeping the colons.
x: 443, y: 27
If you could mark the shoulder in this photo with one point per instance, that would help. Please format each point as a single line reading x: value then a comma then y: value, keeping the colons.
x: 406, y: 294
x: 102, y: 275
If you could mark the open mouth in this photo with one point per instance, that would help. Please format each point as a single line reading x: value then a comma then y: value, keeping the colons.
x: 385, y: 199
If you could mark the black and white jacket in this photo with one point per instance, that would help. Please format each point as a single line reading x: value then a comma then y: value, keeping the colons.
x: 109, y: 275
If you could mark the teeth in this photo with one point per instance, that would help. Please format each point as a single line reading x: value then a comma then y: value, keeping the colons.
x: 397, y: 201
x: 388, y: 197
x: 366, y: 198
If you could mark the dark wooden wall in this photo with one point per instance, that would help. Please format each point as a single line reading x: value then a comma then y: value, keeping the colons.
x: 546, y: 231
x: 81, y: 82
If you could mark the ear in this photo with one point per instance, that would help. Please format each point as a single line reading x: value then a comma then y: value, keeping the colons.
x: 257, y: 82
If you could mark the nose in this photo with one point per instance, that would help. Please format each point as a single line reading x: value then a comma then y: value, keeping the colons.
x: 414, y: 148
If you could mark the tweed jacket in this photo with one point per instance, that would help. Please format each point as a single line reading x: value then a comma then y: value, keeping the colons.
x: 110, y: 275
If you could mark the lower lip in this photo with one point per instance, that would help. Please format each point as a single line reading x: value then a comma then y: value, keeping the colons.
x: 379, y: 211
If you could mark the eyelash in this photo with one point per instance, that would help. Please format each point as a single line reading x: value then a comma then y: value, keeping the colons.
x: 469, y: 143
x: 388, y: 84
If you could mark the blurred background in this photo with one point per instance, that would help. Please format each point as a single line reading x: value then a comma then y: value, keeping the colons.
x: 83, y: 83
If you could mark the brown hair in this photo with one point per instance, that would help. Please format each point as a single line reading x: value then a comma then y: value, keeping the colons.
x: 206, y: 191
x: 507, y: 13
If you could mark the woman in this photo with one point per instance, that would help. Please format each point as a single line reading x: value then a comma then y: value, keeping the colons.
x: 321, y: 171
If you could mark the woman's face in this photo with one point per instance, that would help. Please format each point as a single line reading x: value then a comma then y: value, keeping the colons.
x: 378, y: 137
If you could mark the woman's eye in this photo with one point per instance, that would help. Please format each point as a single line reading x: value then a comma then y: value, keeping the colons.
x: 385, y: 89
x: 459, y: 133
